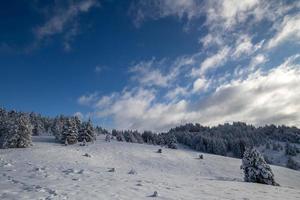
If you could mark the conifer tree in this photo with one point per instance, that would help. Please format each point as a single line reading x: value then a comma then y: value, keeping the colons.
x: 256, y: 168
x: 69, y: 133
x: 16, y: 131
x: 87, y: 132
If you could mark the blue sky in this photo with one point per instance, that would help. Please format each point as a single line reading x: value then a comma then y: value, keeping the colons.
x: 152, y: 64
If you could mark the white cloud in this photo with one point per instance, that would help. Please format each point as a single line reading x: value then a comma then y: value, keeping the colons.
x: 261, y: 98
x: 288, y: 30
x: 229, y: 13
x: 155, y: 9
x: 243, y: 46
x: 147, y: 74
x: 211, y: 39
x: 87, y: 99
x: 160, y: 73
x: 199, y: 85
x: 177, y: 92
x: 212, y: 62
x: 257, y: 60
x: 63, y: 20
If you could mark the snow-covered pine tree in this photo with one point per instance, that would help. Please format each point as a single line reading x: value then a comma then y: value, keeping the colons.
x: 129, y: 136
x: 107, y: 137
x: 87, y: 132
x: 16, y: 132
x: 256, y: 168
x: 138, y: 137
x: 69, y: 133
x: 171, y: 141
x: 57, y: 128
x: 119, y: 136
x: 25, y: 132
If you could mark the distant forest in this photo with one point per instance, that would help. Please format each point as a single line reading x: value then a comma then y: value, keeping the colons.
x: 280, y: 145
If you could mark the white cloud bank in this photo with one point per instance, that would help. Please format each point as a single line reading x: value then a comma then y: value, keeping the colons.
x: 270, y: 97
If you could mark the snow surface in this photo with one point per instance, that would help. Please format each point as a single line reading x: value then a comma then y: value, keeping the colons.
x: 49, y: 170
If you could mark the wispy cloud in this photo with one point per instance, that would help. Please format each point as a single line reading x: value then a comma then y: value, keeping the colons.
x: 142, y: 11
x: 212, y: 62
x: 288, y: 30
x: 87, y: 100
x: 63, y: 20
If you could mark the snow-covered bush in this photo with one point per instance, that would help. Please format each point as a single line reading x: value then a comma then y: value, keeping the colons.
x: 256, y: 169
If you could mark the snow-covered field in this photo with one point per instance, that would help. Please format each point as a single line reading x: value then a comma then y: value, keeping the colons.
x: 52, y: 171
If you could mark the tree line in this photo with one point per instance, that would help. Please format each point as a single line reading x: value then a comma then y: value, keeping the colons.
x: 227, y: 139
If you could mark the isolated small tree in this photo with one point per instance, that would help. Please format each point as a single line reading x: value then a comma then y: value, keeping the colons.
x: 87, y: 132
x: 256, y: 168
x: 69, y: 133
x: 107, y: 137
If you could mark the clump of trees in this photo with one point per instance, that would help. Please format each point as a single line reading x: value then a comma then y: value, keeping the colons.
x: 15, y: 130
x: 256, y: 168
x: 164, y: 139
x: 233, y: 139
x: 70, y: 130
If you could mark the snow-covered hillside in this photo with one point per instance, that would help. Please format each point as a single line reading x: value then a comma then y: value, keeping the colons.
x: 49, y: 170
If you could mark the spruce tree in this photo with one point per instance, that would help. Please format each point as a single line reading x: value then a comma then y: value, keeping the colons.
x: 69, y: 133
x: 25, y: 132
x: 16, y: 132
x: 87, y: 132
x: 256, y: 168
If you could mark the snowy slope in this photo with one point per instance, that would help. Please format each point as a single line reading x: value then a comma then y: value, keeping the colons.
x: 51, y: 171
